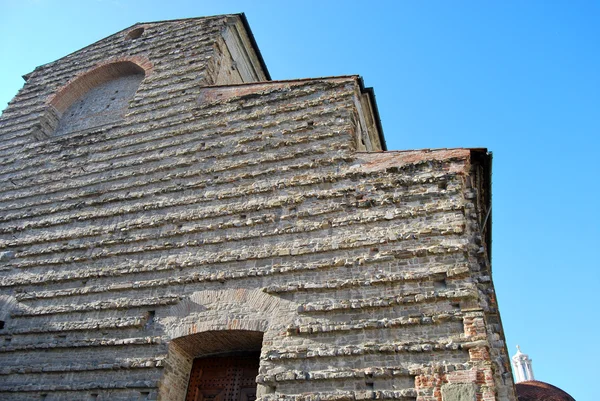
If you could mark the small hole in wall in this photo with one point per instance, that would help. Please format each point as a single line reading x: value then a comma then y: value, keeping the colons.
x: 440, y: 284
x: 43, y: 396
x: 1, y: 324
x: 93, y: 396
x: 134, y: 34
x: 150, y: 318
x: 443, y: 185
x: 144, y: 395
x: 7, y: 340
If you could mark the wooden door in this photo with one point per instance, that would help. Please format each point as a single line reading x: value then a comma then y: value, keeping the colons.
x: 230, y: 378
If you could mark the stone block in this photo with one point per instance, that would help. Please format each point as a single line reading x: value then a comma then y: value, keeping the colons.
x: 459, y: 392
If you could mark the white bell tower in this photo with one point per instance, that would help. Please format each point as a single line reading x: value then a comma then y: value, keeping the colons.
x: 522, y: 366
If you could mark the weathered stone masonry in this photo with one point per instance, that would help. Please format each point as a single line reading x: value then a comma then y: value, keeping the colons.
x: 163, y: 200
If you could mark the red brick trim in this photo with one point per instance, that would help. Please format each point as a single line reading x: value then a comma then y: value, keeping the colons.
x: 111, y: 68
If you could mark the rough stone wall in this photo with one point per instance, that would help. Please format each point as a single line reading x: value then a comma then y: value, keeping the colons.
x: 234, y: 217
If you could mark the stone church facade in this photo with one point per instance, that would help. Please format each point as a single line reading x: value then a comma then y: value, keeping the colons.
x: 175, y: 225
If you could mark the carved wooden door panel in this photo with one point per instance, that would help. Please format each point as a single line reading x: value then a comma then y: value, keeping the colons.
x: 231, y: 378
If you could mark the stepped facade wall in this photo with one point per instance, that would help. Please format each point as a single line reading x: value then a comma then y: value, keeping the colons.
x: 209, y: 210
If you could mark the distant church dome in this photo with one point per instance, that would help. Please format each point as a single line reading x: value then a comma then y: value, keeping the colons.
x: 534, y: 390
x: 529, y: 389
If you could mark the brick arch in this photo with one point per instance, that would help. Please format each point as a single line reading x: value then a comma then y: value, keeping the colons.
x: 105, y: 71
x: 219, y: 342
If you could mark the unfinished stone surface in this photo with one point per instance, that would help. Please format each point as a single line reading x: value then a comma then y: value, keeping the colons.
x: 459, y: 392
x: 221, y: 212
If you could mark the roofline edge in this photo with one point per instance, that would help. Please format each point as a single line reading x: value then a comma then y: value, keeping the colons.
x: 255, y: 47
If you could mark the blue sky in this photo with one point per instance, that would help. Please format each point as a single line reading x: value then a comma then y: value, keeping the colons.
x: 520, y: 78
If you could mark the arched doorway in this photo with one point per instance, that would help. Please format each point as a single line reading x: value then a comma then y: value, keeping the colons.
x: 221, y: 323
x: 219, y: 365
x: 224, y: 378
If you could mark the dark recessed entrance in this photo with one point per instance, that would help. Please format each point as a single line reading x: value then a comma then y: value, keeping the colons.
x: 224, y: 378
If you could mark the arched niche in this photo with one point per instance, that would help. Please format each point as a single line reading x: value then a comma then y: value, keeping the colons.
x: 96, y: 98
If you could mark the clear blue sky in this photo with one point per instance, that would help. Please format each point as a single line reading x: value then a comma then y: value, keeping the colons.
x: 521, y: 78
